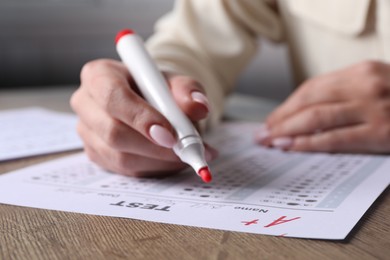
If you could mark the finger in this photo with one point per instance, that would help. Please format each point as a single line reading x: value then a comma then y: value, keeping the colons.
x: 104, y: 67
x: 314, y: 91
x: 111, y: 91
x: 98, y: 127
x: 134, y: 166
x: 355, y: 139
x: 107, y: 163
x: 190, y: 97
x: 125, y: 163
x: 367, y: 80
x: 318, y: 118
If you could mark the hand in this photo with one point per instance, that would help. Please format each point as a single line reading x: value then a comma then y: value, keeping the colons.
x: 120, y: 130
x: 344, y: 111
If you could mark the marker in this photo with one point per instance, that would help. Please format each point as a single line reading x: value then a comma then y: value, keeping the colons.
x: 153, y: 86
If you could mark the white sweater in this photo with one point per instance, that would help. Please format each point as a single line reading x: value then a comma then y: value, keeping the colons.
x: 212, y: 40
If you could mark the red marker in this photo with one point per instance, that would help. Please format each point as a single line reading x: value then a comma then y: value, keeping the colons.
x: 153, y: 86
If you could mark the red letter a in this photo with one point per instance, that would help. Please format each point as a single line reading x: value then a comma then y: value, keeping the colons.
x: 281, y: 220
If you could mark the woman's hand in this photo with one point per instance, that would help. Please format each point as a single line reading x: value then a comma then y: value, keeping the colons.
x: 120, y: 130
x: 344, y: 111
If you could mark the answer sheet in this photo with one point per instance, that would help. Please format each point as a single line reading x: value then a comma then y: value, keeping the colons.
x: 34, y: 131
x: 254, y: 189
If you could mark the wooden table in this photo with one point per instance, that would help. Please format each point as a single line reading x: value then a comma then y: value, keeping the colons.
x: 28, y: 233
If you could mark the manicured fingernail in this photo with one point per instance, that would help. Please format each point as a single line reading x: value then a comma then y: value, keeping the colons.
x: 200, y: 98
x: 262, y: 133
x: 282, y: 142
x: 162, y: 136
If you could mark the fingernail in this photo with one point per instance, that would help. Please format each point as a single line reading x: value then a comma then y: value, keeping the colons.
x: 282, y: 142
x: 200, y: 98
x: 162, y: 136
x: 262, y: 133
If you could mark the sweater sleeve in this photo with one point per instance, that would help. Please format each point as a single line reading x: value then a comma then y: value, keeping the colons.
x: 212, y: 41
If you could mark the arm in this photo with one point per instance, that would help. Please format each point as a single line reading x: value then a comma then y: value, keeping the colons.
x: 212, y: 41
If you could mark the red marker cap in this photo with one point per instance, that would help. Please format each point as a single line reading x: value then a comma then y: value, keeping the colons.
x: 205, y: 174
x: 123, y: 33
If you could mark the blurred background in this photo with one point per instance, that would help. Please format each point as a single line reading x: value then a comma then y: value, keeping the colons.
x: 46, y: 42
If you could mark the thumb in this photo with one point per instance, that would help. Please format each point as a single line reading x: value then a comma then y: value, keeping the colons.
x: 190, y: 96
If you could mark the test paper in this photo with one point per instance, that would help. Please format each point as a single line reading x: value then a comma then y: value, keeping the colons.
x: 254, y: 189
x: 34, y: 131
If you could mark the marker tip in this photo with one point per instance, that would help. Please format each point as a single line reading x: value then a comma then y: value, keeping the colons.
x: 205, y: 174
x: 123, y: 33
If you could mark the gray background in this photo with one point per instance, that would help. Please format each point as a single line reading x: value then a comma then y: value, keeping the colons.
x: 46, y: 42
